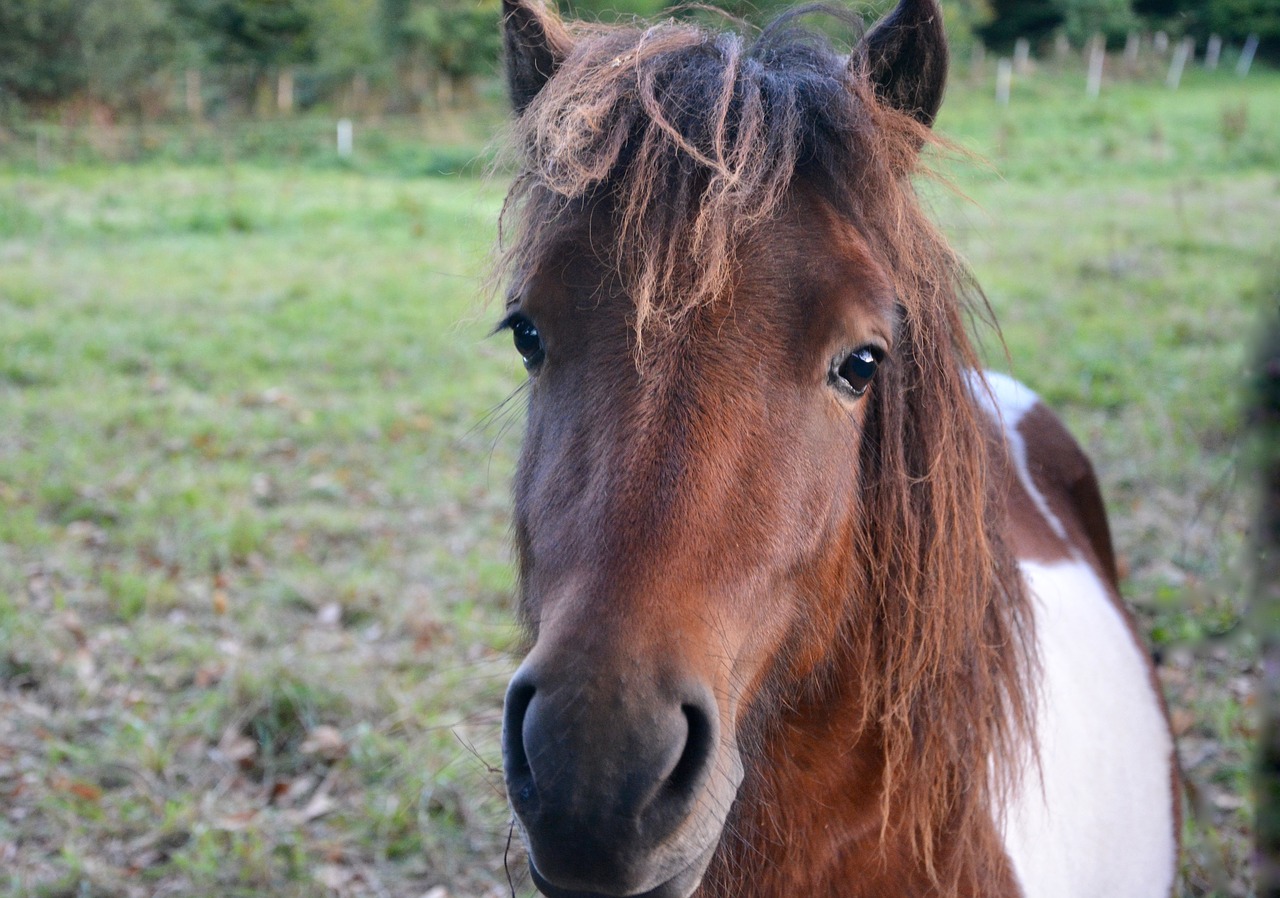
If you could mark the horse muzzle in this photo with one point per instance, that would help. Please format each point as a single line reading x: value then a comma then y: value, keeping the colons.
x: 621, y: 781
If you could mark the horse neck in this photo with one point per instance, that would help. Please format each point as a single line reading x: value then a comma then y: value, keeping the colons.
x: 809, y: 821
x: 810, y: 818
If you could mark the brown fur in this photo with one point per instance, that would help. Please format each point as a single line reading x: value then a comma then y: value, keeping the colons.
x: 905, y: 688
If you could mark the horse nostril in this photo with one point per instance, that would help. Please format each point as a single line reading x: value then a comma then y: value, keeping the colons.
x: 690, y: 771
x: 515, y: 759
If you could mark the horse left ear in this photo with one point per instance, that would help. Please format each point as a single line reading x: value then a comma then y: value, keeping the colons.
x: 535, y: 42
x: 906, y: 57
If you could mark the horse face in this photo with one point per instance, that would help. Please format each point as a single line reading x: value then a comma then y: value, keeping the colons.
x: 677, y: 522
x: 685, y: 508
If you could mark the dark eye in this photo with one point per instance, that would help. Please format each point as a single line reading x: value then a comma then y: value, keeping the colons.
x: 528, y: 341
x: 854, y: 372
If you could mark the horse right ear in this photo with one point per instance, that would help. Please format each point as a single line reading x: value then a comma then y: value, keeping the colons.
x: 906, y: 57
x: 535, y: 43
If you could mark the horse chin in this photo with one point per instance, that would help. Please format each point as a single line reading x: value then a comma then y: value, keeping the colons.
x: 597, y: 860
x: 681, y: 885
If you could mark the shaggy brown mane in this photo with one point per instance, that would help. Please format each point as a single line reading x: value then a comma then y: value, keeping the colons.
x: 691, y: 139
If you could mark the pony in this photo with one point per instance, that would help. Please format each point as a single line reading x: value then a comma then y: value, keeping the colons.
x: 813, y: 606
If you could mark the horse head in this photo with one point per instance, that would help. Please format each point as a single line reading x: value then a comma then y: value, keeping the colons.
x: 749, y: 479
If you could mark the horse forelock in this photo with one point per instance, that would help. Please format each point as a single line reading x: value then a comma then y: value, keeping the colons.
x: 690, y: 140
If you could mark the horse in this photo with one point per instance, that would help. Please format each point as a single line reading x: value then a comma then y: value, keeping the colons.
x: 814, y: 607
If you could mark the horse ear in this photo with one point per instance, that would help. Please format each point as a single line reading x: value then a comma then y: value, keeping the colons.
x: 534, y: 43
x: 906, y: 57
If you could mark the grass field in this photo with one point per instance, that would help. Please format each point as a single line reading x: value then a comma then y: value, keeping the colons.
x: 254, y: 459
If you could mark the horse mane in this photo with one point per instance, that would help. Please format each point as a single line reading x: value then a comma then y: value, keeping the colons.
x: 692, y: 138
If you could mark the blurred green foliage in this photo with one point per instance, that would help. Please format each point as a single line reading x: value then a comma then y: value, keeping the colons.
x: 53, y: 50
x: 1231, y: 19
x: 117, y: 57
x: 1081, y: 19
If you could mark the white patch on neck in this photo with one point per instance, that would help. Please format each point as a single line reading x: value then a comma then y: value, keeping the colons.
x: 1008, y: 402
x: 1095, y: 820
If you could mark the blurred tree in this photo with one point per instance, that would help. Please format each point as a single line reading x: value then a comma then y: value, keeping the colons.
x: 107, y: 50
x: 253, y: 38
x: 964, y: 20
x: 39, y: 51
x: 259, y: 33
x: 1082, y: 19
x: 1237, y: 19
x: 124, y: 46
x: 1233, y: 20
x: 1012, y: 19
x: 448, y: 41
x: 347, y: 36
x: 1165, y: 9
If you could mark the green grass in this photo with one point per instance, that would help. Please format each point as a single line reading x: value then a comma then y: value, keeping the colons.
x: 246, y: 496
x: 255, y: 460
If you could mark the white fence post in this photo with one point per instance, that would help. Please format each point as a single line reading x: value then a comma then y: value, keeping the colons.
x: 1022, y: 56
x: 1246, y: 55
x: 1212, y: 53
x: 1004, y: 81
x: 346, y: 137
x: 1097, y: 56
x: 1180, y: 54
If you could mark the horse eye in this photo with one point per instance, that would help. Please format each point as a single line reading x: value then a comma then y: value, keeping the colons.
x: 528, y: 341
x: 855, y: 372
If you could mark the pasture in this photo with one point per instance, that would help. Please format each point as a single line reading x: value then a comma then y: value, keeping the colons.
x: 255, y: 450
